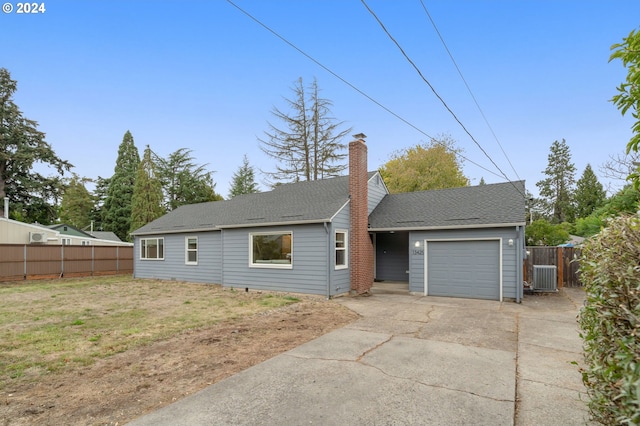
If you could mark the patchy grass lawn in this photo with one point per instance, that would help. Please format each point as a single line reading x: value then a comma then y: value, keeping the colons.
x: 105, y: 350
x: 51, y: 325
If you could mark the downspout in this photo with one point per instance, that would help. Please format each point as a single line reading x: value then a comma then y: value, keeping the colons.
x: 519, y: 259
x: 328, y: 274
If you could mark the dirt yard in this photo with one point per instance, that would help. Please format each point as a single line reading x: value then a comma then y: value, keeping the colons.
x: 121, y: 387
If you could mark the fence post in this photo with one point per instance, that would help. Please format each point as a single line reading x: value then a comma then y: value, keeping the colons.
x: 93, y: 260
x: 560, y: 263
x: 117, y: 260
x: 24, y: 256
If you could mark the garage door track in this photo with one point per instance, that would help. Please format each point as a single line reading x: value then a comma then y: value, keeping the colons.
x: 413, y: 360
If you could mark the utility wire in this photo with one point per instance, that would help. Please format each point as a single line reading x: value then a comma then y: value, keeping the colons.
x: 468, y: 88
x: 435, y: 92
x: 355, y: 88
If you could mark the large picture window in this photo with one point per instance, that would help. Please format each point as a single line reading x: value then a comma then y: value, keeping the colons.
x: 271, y: 250
x: 341, y: 249
x: 152, y: 248
x: 191, y: 250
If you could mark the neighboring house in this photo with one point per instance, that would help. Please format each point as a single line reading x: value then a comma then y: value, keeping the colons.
x: 337, y: 235
x: 15, y: 232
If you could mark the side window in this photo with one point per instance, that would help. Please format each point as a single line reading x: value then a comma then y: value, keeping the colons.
x: 342, y: 244
x: 152, y: 248
x: 191, y: 250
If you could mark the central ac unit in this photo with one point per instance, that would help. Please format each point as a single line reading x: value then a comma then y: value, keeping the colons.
x: 545, y: 278
x: 37, y: 237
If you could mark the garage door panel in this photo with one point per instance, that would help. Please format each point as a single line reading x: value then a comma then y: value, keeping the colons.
x: 464, y: 269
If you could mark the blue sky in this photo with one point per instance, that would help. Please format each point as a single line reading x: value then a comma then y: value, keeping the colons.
x: 202, y: 75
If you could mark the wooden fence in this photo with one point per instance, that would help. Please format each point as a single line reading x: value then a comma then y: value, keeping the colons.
x: 30, y: 261
x: 566, y: 259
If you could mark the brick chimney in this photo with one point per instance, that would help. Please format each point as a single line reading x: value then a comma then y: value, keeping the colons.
x: 360, y: 246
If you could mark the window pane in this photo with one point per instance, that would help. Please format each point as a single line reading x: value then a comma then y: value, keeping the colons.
x: 271, y: 249
x: 160, y: 249
x: 192, y: 256
x: 340, y: 239
x: 340, y: 258
x: 152, y: 249
x: 192, y: 243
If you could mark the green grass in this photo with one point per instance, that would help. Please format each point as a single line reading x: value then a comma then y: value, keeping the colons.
x: 48, y: 326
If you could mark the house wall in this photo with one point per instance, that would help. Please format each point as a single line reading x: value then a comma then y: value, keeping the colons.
x: 15, y: 232
x: 376, y: 192
x: 511, y: 265
x: 310, y: 245
x: 339, y: 279
x: 208, y: 269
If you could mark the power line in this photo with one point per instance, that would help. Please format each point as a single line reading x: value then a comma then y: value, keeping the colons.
x: 256, y: 20
x: 468, y: 88
x: 435, y: 92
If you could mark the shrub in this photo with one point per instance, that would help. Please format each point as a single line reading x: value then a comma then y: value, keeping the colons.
x: 610, y: 322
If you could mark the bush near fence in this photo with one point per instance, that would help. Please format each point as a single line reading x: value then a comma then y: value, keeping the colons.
x: 30, y: 261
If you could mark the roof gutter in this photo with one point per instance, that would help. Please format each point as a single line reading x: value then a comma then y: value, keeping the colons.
x: 174, y: 231
x: 431, y: 228
x: 296, y: 222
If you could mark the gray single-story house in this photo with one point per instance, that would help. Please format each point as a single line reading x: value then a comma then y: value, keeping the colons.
x: 338, y: 235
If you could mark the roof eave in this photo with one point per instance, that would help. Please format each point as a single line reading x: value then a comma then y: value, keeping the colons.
x: 286, y: 223
x: 174, y: 231
x: 433, y: 228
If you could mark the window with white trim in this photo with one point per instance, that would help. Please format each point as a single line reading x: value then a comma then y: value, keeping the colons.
x: 191, y: 250
x: 66, y: 241
x: 342, y: 243
x: 271, y: 250
x: 86, y: 243
x: 152, y: 248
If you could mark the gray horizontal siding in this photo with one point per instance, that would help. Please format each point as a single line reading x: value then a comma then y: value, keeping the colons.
x: 510, y: 263
x: 376, y: 192
x: 340, y: 279
x: 309, y: 272
x: 173, y: 267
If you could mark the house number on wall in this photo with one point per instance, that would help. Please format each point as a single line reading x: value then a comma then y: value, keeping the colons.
x: 418, y: 252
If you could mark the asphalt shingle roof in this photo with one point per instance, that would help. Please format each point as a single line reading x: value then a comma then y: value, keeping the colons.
x: 318, y: 201
x: 494, y: 204
x: 300, y: 202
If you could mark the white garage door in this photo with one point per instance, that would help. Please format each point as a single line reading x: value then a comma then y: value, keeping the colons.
x: 468, y: 269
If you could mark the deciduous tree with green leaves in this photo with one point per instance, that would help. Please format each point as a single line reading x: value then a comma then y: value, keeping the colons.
x: 116, y: 213
x: 244, y: 181
x: 428, y: 166
x: 33, y: 196
x: 628, y: 97
x: 310, y: 147
x: 146, y: 201
x: 556, y: 190
x: 77, y: 203
x: 589, y: 193
x: 542, y: 233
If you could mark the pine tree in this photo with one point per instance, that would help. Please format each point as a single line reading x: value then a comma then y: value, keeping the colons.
x: 117, y: 206
x: 309, y: 148
x: 183, y: 181
x: 482, y: 182
x: 146, y: 201
x: 33, y: 196
x: 556, y: 190
x: 590, y: 193
x: 77, y: 204
x: 243, y: 180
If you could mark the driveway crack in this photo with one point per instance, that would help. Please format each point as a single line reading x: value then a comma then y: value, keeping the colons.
x: 373, y: 348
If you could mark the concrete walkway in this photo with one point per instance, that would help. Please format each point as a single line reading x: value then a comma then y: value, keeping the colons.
x: 413, y: 360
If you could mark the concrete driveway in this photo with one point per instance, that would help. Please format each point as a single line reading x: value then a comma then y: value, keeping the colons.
x: 413, y: 360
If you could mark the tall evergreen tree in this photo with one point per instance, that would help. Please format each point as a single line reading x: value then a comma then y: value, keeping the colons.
x: 33, y: 196
x: 589, y: 194
x: 310, y: 147
x: 183, y: 181
x: 146, y: 201
x: 117, y: 206
x: 99, y: 196
x: 243, y: 180
x: 557, y: 189
x: 77, y: 203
